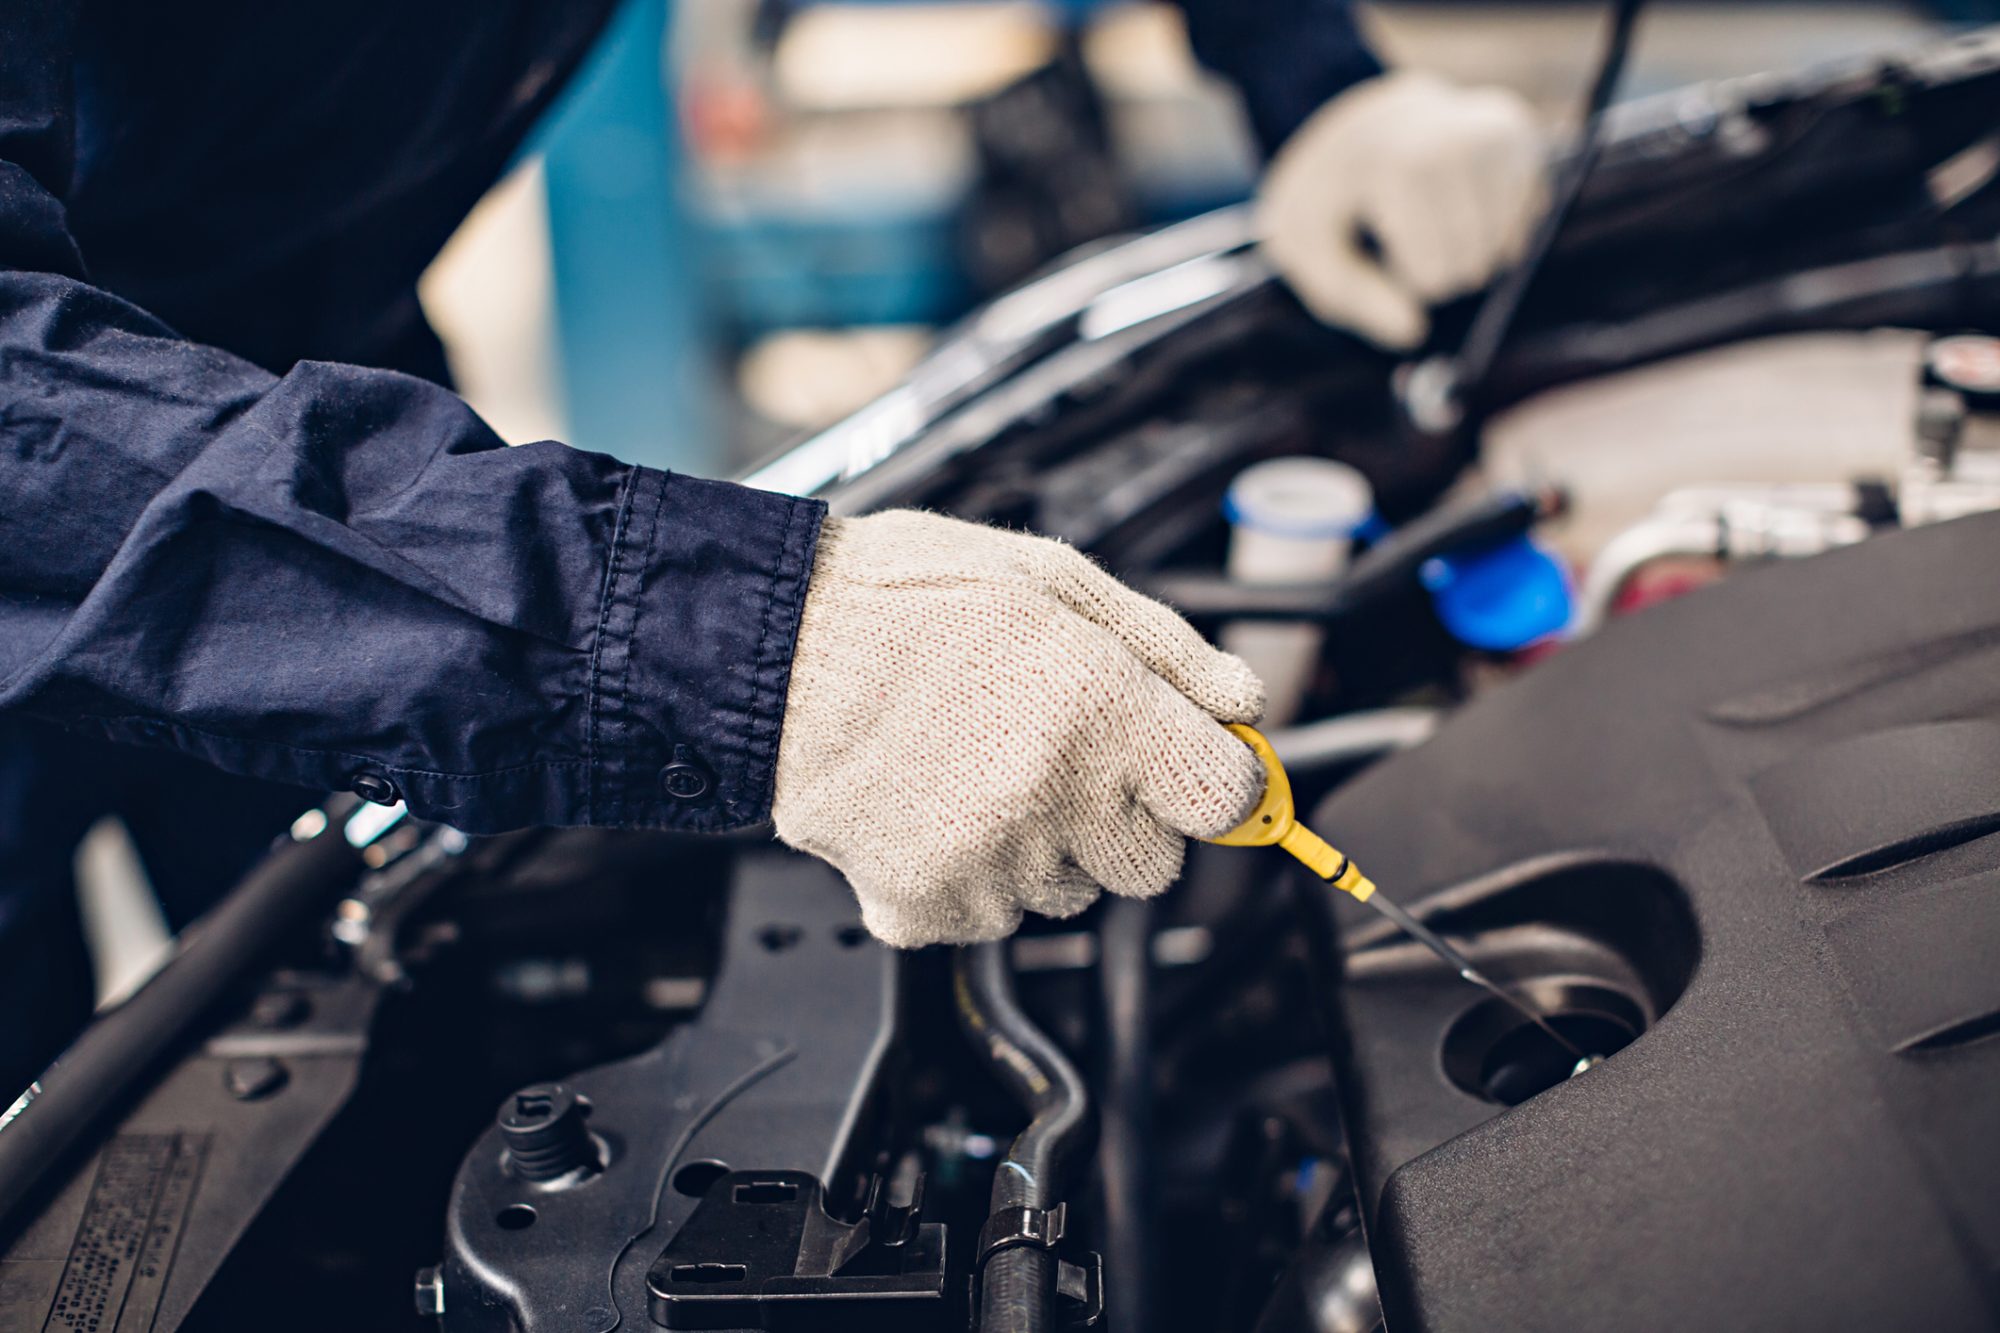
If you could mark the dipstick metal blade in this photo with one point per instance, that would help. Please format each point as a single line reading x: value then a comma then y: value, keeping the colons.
x: 1430, y: 939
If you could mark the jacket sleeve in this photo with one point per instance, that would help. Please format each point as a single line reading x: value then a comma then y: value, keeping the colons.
x: 1287, y: 57
x: 341, y: 577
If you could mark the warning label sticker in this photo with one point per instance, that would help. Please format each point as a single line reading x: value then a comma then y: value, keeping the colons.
x: 124, y: 1244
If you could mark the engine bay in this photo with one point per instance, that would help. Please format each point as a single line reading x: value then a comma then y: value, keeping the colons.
x: 1725, y: 811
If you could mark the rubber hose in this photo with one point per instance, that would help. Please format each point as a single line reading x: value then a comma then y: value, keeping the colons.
x: 1017, y: 1294
x: 1125, y: 1143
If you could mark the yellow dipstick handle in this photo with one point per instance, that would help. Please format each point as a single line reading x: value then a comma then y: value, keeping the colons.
x: 1275, y: 823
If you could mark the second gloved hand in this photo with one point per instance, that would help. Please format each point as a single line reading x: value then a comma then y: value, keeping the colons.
x: 1447, y: 181
x: 982, y: 722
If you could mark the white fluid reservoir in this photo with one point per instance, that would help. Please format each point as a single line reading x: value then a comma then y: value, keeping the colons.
x: 1292, y: 520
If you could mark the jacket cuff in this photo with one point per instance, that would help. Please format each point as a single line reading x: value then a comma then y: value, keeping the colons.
x: 1300, y: 83
x: 694, y: 652
x: 1288, y: 58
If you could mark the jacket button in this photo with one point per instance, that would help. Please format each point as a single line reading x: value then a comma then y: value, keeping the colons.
x: 685, y: 779
x: 373, y: 787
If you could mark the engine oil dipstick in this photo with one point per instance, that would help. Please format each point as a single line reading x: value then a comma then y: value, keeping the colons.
x: 1275, y: 823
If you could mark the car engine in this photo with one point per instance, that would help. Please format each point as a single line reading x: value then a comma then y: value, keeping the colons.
x: 1728, y: 817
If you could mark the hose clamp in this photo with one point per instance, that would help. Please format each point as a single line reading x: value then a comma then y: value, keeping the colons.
x: 1013, y: 1228
x: 1078, y: 1295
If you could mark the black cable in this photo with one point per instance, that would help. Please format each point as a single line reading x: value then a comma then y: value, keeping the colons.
x: 1017, y: 1290
x: 1125, y: 1139
x: 1495, y: 317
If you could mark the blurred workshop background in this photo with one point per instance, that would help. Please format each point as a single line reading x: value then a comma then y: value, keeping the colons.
x: 748, y: 217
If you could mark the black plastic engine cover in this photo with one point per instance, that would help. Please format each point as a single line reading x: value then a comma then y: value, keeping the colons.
x: 1763, y: 824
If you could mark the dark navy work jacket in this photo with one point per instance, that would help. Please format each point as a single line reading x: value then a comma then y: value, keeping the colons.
x: 240, y: 517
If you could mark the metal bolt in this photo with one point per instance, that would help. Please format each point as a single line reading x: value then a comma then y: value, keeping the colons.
x: 545, y: 1134
x: 250, y: 1079
x: 279, y: 1009
x: 430, y: 1292
x: 351, y: 920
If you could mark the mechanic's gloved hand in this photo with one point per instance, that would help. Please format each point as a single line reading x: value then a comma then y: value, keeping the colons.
x: 982, y: 722
x: 1447, y: 181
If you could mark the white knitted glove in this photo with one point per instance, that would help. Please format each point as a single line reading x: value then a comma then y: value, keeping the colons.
x: 1447, y: 180
x: 981, y: 722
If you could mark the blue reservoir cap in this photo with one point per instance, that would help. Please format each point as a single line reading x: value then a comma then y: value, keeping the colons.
x: 1500, y: 598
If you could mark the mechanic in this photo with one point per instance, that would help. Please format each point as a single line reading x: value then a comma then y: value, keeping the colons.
x: 243, y: 523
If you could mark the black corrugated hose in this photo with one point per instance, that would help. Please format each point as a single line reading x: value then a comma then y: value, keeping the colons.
x: 1017, y: 1291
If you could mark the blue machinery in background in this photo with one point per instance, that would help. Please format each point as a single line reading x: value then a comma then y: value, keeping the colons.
x: 643, y: 287
x: 637, y: 367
